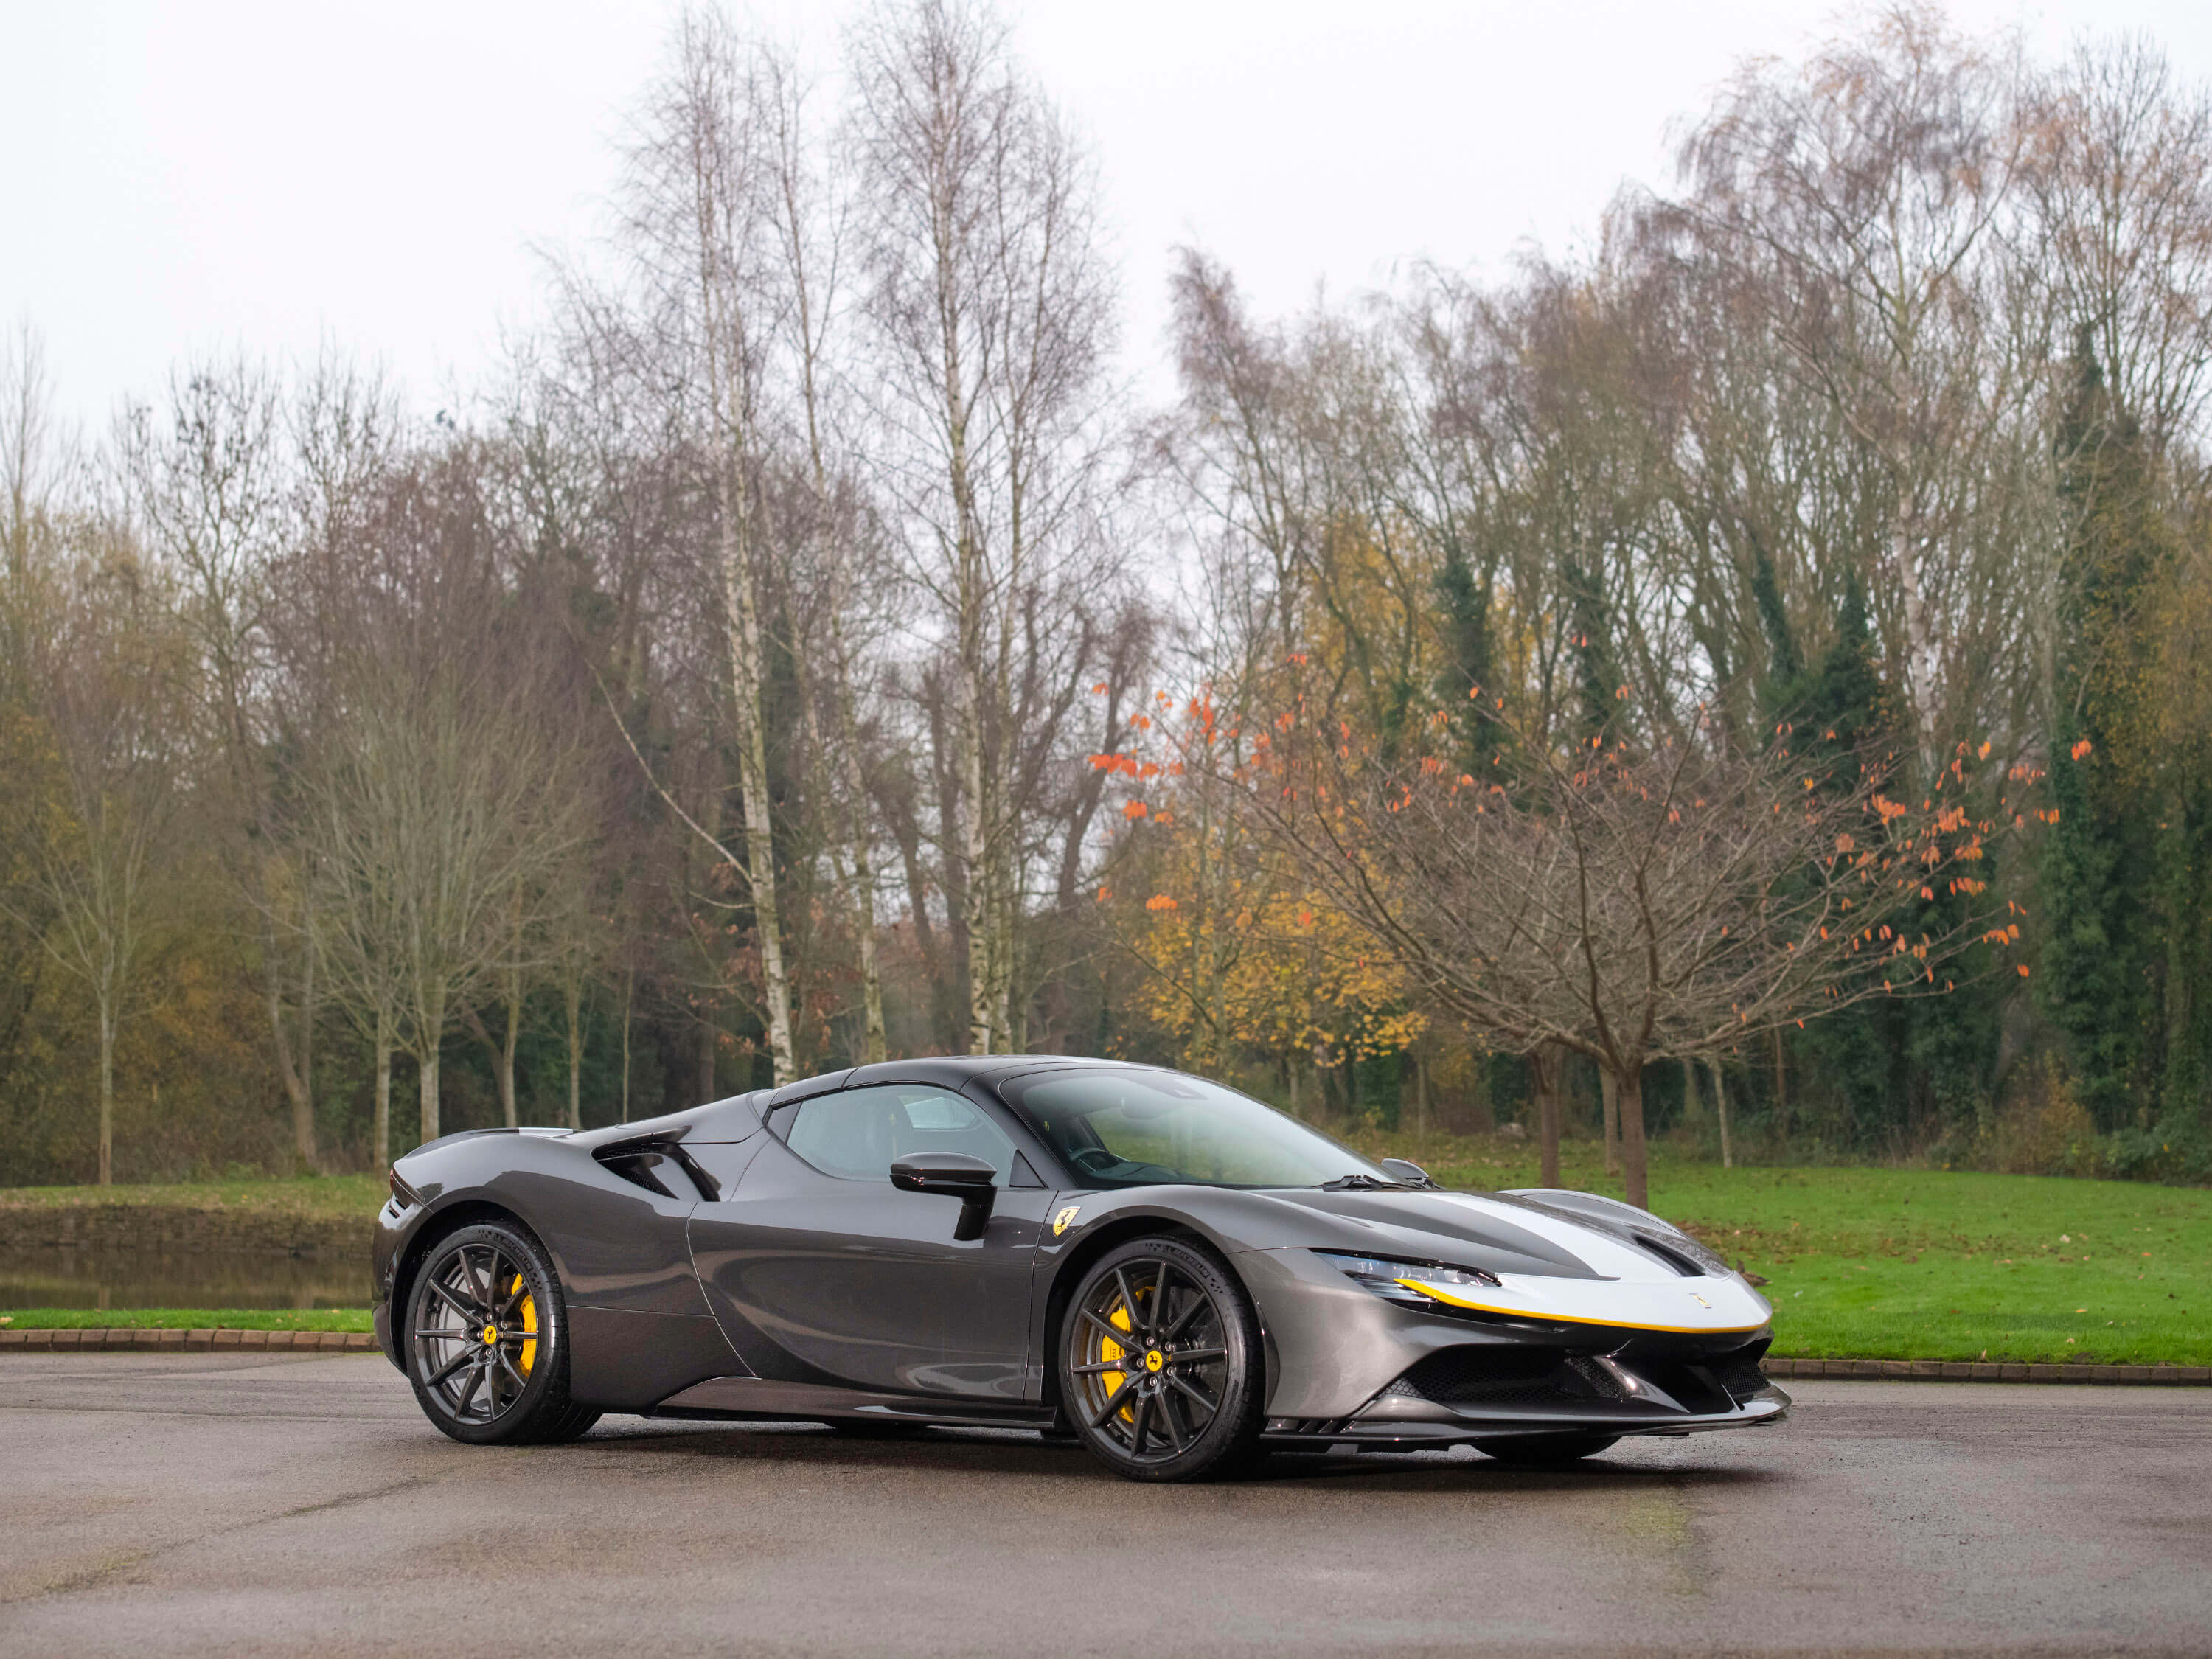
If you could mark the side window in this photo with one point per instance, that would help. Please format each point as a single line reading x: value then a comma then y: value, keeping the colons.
x: 857, y: 1134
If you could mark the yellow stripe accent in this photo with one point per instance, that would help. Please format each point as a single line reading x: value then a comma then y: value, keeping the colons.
x: 1573, y: 1319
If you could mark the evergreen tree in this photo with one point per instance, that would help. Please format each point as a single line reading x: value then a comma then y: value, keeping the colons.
x: 1597, y: 675
x: 1463, y: 620
x: 2104, y: 970
x: 1832, y: 715
x: 1784, y: 665
x: 1895, y: 1067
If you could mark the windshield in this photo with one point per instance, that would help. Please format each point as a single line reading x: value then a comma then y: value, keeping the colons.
x: 1136, y: 1128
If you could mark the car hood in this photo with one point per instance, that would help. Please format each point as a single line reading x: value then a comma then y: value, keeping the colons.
x: 1494, y: 1231
x: 1550, y: 1263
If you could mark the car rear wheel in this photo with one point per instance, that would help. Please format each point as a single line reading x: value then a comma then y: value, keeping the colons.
x: 1161, y: 1369
x: 1545, y: 1450
x: 488, y: 1341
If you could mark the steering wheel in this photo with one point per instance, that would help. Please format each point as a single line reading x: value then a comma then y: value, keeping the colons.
x: 1094, y: 1160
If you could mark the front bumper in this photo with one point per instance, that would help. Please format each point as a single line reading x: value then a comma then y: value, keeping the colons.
x: 1346, y: 1365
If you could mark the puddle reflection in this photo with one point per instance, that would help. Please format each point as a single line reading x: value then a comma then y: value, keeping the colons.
x: 69, y: 1276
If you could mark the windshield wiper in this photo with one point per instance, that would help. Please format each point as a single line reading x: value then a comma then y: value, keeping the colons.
x: 1362, y: 1184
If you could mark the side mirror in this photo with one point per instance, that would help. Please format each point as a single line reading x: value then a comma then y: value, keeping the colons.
x: 1408, y: 1171
x: 973, y: 1181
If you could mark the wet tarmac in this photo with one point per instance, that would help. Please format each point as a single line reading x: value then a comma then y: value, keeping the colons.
x: 240, y: 1505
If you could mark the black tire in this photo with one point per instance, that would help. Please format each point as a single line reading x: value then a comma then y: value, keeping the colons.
x: 574, y: 1426
x: 1194, y: 1408
x: 487, y: 1340
x: 1538, y: 1451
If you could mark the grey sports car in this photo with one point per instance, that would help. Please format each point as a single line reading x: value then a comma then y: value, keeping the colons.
x: 1168, y: 1271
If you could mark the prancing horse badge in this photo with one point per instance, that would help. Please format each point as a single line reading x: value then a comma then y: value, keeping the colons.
x: 1065, y: 1219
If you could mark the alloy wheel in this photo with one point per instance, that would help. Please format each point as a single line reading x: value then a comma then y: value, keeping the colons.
x: 475, y: 1332
x: 1150, y: 1360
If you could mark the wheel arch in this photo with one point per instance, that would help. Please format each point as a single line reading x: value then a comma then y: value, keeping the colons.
x: 436, y: 1228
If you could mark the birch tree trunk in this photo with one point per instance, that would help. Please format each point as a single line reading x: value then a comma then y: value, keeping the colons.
x: 801, y: 222
x: 864, y: 865
x: 859, y: 883
x: 1720, y: 1109
x: 708, y: 210
x: 742, y: 614
x: 988, y: 289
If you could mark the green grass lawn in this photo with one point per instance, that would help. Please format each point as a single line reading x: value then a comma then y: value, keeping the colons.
x: 322, y: 1197
x: 186, y: 1319
x: 1865, y: 1263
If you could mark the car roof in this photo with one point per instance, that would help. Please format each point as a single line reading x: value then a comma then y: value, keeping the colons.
x: 949, y: 1070
x: 736, y: 1117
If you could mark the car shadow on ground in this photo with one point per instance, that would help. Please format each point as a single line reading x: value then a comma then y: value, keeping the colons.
x: 1018, y: 1452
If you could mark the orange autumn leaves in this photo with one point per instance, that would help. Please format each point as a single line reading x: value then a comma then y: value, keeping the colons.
x: 1234, y: 953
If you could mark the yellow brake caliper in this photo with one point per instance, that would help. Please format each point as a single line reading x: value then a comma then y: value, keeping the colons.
x: 529, y: 1323
x: 1109, y: 1349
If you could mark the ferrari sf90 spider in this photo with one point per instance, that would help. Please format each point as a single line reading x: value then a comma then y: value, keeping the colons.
x: 1168, y: 1271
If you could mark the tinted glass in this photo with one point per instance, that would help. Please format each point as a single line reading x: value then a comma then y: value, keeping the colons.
x: 1134, y: 1128
x: 861, y: 1132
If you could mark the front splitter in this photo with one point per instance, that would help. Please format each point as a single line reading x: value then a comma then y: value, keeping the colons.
x: 1398, y: 1421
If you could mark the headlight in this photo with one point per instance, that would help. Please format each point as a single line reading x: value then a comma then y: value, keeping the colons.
x: 1384, y: 1276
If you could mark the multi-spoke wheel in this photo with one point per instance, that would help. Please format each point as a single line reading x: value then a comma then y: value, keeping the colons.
x: 487, y: 1340
x: 1160, y: 1362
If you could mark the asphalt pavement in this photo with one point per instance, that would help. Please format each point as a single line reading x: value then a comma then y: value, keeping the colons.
x: 156, y: 1505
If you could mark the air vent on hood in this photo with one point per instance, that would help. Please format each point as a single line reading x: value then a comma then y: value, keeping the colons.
x: 1672, y: 1255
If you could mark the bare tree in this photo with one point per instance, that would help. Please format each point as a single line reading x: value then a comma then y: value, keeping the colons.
x: 438, y: 805
x: 36, y: 472
x: 701, y: 219
x: 357, y: 869
x: 578, y: 941
x: 1629, y: 903
x: 112, y: 676
x: 1864, y: 196
x: 989, y: 308
x: 208, y: 478
x: 2118, y: 168
x: 811, y: 214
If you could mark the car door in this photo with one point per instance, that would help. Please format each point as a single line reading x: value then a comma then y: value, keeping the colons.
x: 824, y: 1273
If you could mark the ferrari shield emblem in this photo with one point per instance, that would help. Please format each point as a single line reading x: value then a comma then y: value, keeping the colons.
x: 1065, y: 1219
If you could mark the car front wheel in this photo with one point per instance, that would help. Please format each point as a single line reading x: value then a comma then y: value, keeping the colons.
x: 1162, y: 1373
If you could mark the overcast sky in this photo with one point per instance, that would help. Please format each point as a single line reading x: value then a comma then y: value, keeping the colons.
x: 218, y: 176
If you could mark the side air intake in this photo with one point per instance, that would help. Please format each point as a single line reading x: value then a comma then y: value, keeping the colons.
x: 659, y: 1166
